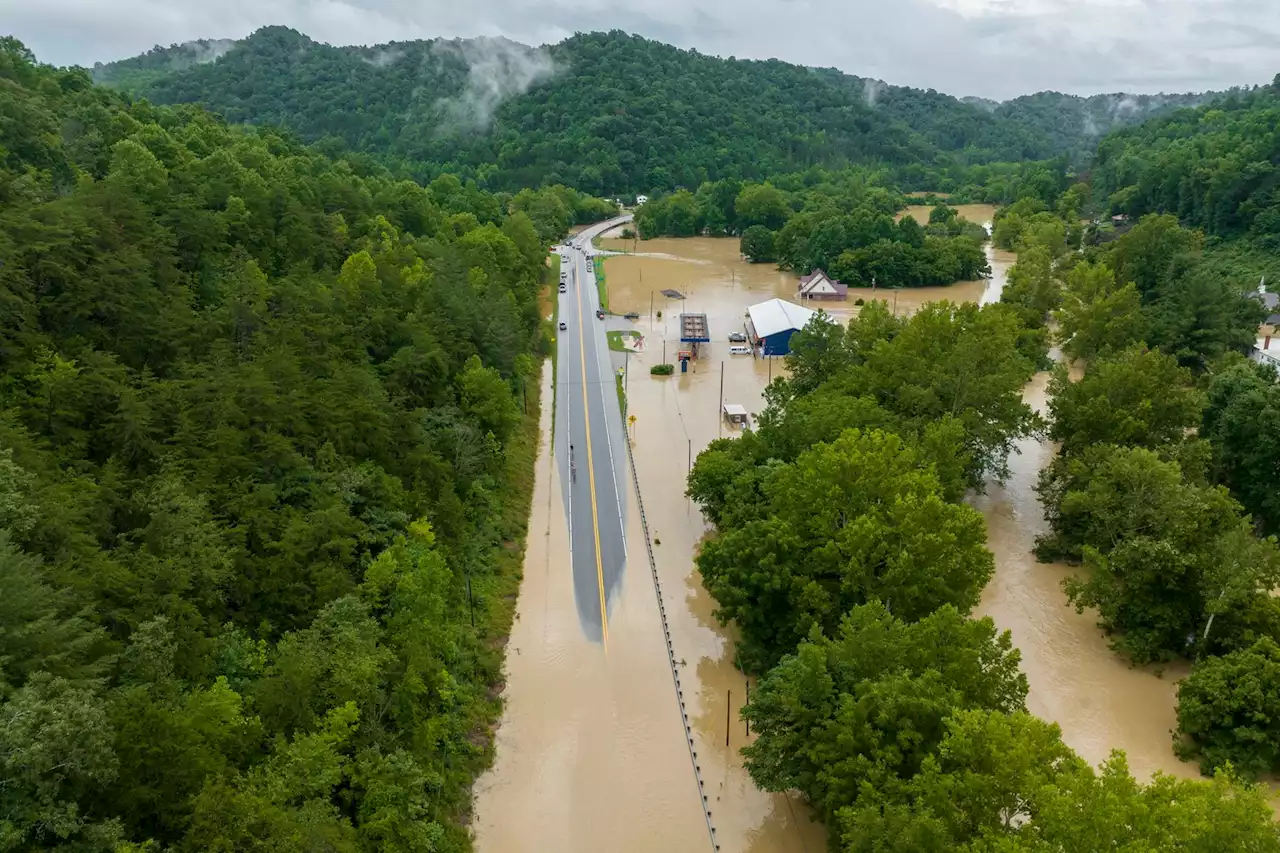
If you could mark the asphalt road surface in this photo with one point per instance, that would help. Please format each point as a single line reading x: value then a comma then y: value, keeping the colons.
x: 589, y: 439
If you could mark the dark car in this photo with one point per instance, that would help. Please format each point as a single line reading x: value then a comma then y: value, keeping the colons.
x: 632, y: 315
x: 599, y: 314
x: 737, y: 338
x: 563, y: 325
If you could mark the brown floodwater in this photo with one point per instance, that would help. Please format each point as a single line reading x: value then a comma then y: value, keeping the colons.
x: 590, y: 749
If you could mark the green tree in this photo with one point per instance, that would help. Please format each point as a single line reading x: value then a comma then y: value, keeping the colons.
x: 862, y: 711
x: 1228, y: 708
x: 762, y: 204
x: 1135, y: 398
x: 1239, y: 423
x: 757, y: 244
x: 1097, y: 317
x: 55, y: 752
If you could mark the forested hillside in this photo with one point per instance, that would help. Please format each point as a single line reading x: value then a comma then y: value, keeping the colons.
x: 262, y: 449
x: 1215, y: 167
x: 606, y: 113
x: 1073, y: 124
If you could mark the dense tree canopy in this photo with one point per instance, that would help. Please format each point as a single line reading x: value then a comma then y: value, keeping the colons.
x: 260, y: 433
x: 1137, y: 398
x: 848, y: 522
x: 865, y: 708
x: 1212, y: 166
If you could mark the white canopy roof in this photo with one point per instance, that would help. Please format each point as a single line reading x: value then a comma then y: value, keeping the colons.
x: 735, y: 409
x: 778, y: 315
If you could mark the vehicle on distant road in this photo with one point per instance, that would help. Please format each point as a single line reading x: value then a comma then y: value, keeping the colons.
x: 740, y: 350
x: 632, y: 315
x: 737, y: 338
x: 563, y: 325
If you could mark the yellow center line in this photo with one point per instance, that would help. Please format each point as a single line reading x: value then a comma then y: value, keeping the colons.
x: 591, y: 469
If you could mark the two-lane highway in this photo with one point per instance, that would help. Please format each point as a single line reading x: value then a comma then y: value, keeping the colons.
x: 588, y: 440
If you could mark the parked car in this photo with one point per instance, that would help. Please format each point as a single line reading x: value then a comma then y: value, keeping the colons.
x: 563, y: 325
x: 737, y: 338
x: 739, y: 350
x: 632, y: 315
x: 599, y: 314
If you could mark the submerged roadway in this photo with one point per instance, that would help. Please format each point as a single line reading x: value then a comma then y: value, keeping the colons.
x: 589, y: 436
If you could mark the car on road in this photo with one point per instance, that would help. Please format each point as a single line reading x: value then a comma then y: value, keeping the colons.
x: 737, y: 338
x: 740, y: 350
x: 563, y: 325
x: 632, y: 315
x: 599, y: 314
x: 563, y: 287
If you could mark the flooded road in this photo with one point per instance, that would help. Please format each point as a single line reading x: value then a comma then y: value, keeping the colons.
x: 590, y: 749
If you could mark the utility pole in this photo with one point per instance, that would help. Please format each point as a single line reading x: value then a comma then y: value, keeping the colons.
x: 650, y: 306
x: 691, y: 454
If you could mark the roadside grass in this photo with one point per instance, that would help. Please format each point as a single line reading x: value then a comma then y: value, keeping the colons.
x: 601, y: 288
x: 616, y: 339
x: 622, y: 395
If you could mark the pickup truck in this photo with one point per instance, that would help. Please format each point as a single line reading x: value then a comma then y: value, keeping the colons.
x: 737, y: 338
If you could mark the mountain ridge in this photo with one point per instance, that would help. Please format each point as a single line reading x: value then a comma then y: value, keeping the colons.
x: 610, y: 112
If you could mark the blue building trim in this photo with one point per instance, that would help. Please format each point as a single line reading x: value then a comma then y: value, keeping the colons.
x: 779, y: 343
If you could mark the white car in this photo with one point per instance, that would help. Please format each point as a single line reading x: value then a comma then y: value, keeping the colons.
x: 739, y: 350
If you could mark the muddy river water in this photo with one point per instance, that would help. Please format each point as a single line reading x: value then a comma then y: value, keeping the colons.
x: 591, y: 750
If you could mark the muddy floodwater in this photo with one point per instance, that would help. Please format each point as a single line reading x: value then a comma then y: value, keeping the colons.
x: 591, y: 749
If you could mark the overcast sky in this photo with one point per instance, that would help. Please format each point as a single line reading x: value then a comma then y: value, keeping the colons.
x: 993, y: 48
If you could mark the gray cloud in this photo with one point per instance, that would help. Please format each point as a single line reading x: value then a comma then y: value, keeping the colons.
x: 992, y: 48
